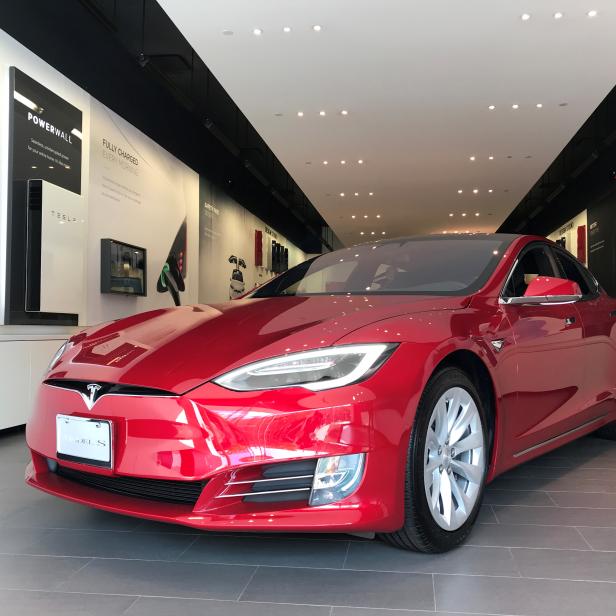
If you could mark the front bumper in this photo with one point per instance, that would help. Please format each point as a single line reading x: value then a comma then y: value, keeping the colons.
x: 221, y: 437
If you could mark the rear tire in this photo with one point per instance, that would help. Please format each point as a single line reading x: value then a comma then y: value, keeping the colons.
x: 608, y: 432
x: 440, y: 517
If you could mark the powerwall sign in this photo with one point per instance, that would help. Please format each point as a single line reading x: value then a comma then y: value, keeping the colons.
x: 46, y: 134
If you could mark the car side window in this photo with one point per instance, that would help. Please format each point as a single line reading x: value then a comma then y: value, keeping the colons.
x: 536, y: 261
x: 571, y: 270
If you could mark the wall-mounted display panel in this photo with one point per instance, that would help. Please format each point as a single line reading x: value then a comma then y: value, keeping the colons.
x: 123, y: 268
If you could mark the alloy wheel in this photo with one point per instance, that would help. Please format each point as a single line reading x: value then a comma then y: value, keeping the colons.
x: 454, y: 458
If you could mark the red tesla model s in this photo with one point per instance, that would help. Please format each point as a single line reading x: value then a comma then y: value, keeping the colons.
x: 376, y: 388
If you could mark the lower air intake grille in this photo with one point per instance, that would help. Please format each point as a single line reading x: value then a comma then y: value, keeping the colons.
x: 283, y: 482
x: 185, y: 492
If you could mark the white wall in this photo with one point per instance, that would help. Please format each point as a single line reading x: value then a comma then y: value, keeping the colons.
x: 226, y: 228
x: 142, y: 204
x: 13, y: 53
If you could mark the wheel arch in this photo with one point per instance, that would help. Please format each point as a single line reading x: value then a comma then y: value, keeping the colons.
x: 472, y: 364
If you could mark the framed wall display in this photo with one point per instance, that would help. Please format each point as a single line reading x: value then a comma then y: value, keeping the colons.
x: 123, y: 268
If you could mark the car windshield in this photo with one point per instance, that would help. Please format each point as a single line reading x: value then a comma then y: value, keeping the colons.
x: 413, y: 266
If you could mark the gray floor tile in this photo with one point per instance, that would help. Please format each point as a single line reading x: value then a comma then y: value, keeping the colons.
x: 364, y: 611
x: 560, y: 484
x: 345, y: 588
x: 378, y: 556
x: 486, y: 516
x: 45, y: 511
x: 30, y: 603
x: 594, y: 501
x: 559, y: 516
x: 510, y: 497
x: 600, y: 538
x: 281, y: 552
x: 37, y: 572
x: 147, y: 606
x: 566, y: 565
x: 528, y: 536
x: 523, y: 597
x: 111, y: 544
x: 20, y: 540
x: 163, y: 579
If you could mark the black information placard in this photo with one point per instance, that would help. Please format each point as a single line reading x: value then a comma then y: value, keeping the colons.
x: 46, y: 137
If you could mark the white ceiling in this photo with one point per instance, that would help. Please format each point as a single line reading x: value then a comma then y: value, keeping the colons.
x: 417, y: 78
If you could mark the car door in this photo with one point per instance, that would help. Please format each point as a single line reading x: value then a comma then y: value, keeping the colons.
x: 598, y: 320
x: 548, y: 356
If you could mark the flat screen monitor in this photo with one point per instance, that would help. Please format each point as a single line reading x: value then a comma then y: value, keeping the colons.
x: 123, y: 268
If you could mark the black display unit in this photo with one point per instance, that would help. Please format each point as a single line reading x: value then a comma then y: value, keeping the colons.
x: 123, y: 268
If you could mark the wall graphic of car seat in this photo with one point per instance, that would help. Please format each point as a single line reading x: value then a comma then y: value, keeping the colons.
x: 236, y: 283
x: 172, y: 275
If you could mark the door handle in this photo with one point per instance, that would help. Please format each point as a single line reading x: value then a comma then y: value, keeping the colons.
x: 569, y: 320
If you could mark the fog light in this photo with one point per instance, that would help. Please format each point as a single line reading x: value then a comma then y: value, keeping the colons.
x: 335, y: 478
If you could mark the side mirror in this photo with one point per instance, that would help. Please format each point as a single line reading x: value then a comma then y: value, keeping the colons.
x: 545, y: 286
x: 548, y: 290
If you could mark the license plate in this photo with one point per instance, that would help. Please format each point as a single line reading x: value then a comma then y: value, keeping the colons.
x: 85, y: 440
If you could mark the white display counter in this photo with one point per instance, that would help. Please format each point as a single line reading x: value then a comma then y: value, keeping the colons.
x: 25, y: 352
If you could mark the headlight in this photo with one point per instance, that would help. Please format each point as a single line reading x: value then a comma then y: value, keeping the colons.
x: 315, y: 370
x: 58, y: 354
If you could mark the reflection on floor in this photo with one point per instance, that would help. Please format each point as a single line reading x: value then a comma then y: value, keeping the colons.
x: 545, y: 545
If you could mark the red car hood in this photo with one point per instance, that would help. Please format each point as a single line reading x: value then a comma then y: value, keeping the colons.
x: 177, y: 349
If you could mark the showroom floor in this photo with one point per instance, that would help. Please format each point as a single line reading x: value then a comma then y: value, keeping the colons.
x: 545, y: 545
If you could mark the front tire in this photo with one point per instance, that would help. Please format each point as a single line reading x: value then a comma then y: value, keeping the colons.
x: 447, y: 465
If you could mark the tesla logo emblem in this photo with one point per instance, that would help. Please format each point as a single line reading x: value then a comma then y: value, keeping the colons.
x: 497, y: 344
x: 93, y: 389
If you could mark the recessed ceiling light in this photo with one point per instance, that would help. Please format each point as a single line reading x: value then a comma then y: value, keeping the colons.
x: 492, y: 107
x: 471, y: 158
x: 592, y: 13
x: 562, y: 104
x: 317, y: 28
x: 490, y: 190
x: 360, y: 162
x: 300, y: 114
x: 475, y: 190
x: 257, y: 32
x: 378, y: 215
x: 371, y: 232
x: 515, y: 106
x: 286, y: 29
x: 361, y: 232
x: 356, y: 194
x: 343, y: 162
x: 321, y: 113
x: 450, y: 215
x: 539, y: 105
x: 352, y: 215
x: 382, y: 232
x: 342, y: 194
x: 34, y: 167
x: 558, y: 15
x: 365, y: 215
x: 525, y: 16
x: 228, y: 32
x: 476, y: 213
x: 490, y: 157
x: 444, y: 231
x: 371, y: 193
x: 344, y: 112
x: 325, y: 162
x: 463, y: 213
x: 460, y: 191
